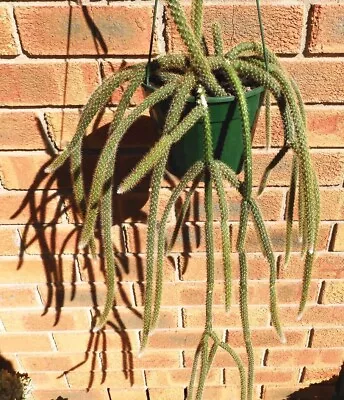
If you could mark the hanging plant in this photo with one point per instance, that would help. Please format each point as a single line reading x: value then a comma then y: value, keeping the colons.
x: 184, y: 87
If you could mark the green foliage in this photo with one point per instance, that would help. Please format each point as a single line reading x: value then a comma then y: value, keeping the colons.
x: 177, y: 77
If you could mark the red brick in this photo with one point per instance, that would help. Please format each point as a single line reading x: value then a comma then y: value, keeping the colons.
x: 33, y: 320
x: 221, y: 392
x: 193, y: 267
x: 34, y: 269
x: 268, y: 338
x: 325, y: 127
x: 315, y: 374
x: 326, y: 266
x: 242, y: 25
x: 65, y: 239
x: 20, y: 130
x: 179, y: 377
x: 188, y: 294
x: 339, y: 237
x: 333, y: 293
x: 222, y: 359
x: 328, y: 337
x: 92, y: 394
x: 191, y: 238
x: 111, y: 67
x: 64, y: 123
x: 328, y: 165
x: 195, y: 317
x: 15, y: 297
x: 66, y: 31
x: 130, y: 394
x: 302, y: 357
x: 314, y: 316
x: 48, y: 380
x: 283, y: 392
x: 57, y: 362
x: 82, y: 341
x: 10, y: 241
x: 176, y: 339
x: 326, y: 35
x: 150, y: 359
x: 130, y: 268
x: 318, y: 79
x: 332, y: 204
x: 115, y: 379
x: 277, y: 232
x: 86, y: 295
x: 25, y: 208
x: 166, y: 393
x: 28, y: 343
x: 264, y: 375
x: 270, y: 204
x: 7, y: 43
x: 47, y: 83
x: 25, y: 170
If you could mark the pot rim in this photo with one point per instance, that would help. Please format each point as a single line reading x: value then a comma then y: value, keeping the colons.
x: 214, y: 100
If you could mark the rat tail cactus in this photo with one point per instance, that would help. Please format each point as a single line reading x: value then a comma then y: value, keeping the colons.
x: 175, y: 79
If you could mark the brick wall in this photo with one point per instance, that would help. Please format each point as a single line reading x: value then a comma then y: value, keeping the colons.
x: 53, y: 55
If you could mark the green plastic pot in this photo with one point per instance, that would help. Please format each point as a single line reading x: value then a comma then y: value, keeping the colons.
x: 226, y: 127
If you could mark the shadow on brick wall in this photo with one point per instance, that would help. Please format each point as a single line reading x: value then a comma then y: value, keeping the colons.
x: 54, y: 235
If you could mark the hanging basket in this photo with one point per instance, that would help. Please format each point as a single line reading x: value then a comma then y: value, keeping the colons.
x: 226, y: 126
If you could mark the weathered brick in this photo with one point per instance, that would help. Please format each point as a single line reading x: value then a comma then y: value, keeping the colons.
x: 302, y: 357
x: 319, y: 80
x: 99, y: 30
x: 333, y: 293
x: 326, y: 266
x: 20, y: 130
x: 283, y: 25
x: 26, y: 207
x: 7, y: 43
x: 33, y: 320
x: 28, y: 343
x: 35, y: 269
x: 326, y: 29
x: 47, y: 83
x: 176, y: 339
x: 328, y: 337
x: 338, y: 243
x: 221, y: 392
